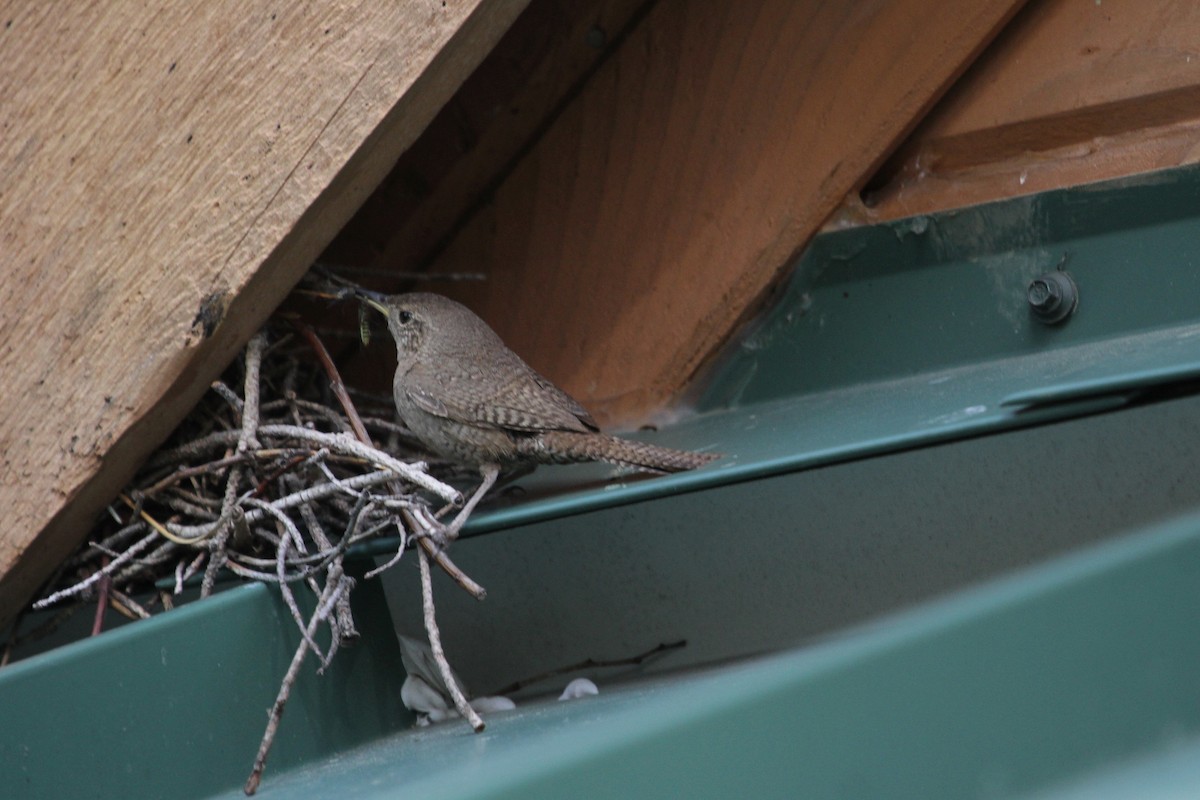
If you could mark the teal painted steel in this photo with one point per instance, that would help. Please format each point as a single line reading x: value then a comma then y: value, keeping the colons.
x: 174, y: 707
x: 785, y: 559
x: 995, y: 692
x: 929, y: 294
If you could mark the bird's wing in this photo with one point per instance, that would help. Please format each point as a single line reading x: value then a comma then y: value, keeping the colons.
x: 530, y: 402
x: 427, y: 402
x: 524, y: 402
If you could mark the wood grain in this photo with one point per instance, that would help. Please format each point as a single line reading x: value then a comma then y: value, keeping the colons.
x: 664, y: 201
x: 167, y: 172
x: 1069, y: 93
x: 476, y: 138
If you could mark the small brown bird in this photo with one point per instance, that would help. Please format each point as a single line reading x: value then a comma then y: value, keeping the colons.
x: 470, y: 399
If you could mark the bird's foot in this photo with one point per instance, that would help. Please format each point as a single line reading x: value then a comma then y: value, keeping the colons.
x: 449, y: 531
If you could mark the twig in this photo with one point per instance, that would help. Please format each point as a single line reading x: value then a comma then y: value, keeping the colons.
x: 346, y: 445
x: 175, y: 501
x: 285, y: 541
x: 592, y: 663
x: 325, y: 412
x: 228, y: 395
x: 336, y: 575
x: 108, y: 544
x: 232, y: 516
x: 328, y: 598
x: 435, y: 644
x: 195, y: 533
x: 161, y: 554
x: 192, y: 569
x: 241, y: 570
x: 395, y: 559
x: 387, y: 426
x: 254, y: 350
x: 91, y: 580
x: 101, y: 600
x: 218, y: 534
x: 312, y: 563
x: 461, y: 578
x: 345, y: 629
x: 155, y: 524
x: 335, y: 381
x: 127, y: 605
x: 174, y: 477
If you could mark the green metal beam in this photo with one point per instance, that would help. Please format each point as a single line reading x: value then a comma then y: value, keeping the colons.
x: 1018, y: 686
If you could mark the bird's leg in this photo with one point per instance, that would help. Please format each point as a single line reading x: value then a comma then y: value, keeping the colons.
x: 489, y: 473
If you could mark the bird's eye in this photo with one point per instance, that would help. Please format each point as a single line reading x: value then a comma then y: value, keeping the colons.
x: 405, y: 317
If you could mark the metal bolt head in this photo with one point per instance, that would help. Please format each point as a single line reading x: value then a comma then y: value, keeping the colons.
x: 1053, y: 297
x: 596, y: 37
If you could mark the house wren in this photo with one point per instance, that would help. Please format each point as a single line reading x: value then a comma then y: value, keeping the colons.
x: 470, y: 399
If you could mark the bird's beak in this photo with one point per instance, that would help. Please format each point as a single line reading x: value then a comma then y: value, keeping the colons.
x: 373, y: 299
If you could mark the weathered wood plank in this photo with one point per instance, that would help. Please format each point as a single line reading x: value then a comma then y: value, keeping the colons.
x: 658, y: 208
x: 167, y: 172
x: 1069, y: 93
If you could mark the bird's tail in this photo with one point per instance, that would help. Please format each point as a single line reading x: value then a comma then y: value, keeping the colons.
x: 566, y: 447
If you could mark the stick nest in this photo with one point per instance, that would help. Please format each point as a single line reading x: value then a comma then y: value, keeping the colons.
x: 276, y: 482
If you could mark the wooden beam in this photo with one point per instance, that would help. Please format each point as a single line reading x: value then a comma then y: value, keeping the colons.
x: 167, y: 172
x: 1069, y: 93
x: 660, y: 206
x: 476, y: 138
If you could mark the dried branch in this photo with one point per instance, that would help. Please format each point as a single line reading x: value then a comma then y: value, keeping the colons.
x: 95, y: 578
x: 328, y: 598
x: 594, y: 663
x: 435, y: 644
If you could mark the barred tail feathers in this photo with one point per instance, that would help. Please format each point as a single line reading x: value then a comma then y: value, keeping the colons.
x: 565, y: 447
